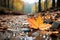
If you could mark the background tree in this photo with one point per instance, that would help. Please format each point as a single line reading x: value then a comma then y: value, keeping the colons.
x: 18, y: 5
x: 53, y: 3
x: 39, y: 6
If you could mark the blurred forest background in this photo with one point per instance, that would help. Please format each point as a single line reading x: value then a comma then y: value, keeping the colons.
x: 21, y: 6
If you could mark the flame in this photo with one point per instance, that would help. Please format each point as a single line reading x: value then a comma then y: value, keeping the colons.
x: 37, y: 23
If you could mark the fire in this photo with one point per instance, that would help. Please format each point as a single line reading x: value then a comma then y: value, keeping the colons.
x: 38, y: 23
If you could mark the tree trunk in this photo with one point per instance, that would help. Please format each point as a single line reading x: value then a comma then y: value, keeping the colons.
x: 53, y: 3
x: 45, y: 5
x: 39, y: 6
x: 58, y: 3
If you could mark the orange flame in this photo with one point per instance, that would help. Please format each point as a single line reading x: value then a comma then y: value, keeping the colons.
x: 37, y: 23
